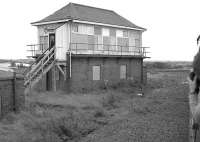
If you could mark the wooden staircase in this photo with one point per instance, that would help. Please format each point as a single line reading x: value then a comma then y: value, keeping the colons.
x: 40, y: 67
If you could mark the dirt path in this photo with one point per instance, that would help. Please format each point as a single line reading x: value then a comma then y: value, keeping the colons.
x: 160, y: 116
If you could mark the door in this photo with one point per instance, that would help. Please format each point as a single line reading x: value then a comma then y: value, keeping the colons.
x: 52, y: 40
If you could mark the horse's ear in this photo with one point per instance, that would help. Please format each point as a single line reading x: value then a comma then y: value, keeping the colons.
x: 191, y: 75
x: 198, y: 38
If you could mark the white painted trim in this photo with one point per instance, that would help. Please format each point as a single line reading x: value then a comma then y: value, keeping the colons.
x: 109, y: 25
x: 50, y: 22
x: 87, y: 22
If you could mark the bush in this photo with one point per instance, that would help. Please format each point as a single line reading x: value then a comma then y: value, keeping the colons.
x: 99, y: 113
x: 158, y: 65
x: 110, y: 100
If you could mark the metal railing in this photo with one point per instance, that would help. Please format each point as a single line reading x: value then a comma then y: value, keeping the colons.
x: 103, y: 49
x: 36, y: 49
x: 37, y: 60
x: 37, y: 67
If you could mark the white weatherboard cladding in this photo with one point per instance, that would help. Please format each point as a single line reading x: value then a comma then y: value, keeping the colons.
x: 105, y: 32
x: 85, y: 29
x: 62, y: 42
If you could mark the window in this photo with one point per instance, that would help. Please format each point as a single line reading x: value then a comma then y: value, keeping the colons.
x: 119, y: 33
x: 137, y: 42
x: 96, y: 72
x: 125, y: 33
x: 90, y: 30
x: 75, y: 28
x: 113, y: 32
x: 105, y: 32
x: 43, y: 40
x: 97, y: 30
x: 122, y: 71
x: 106, y: 43
x: 123, y: 44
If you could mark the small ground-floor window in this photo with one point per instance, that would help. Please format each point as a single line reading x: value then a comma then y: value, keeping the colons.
x: 122, y: 71
x: 96, y: 70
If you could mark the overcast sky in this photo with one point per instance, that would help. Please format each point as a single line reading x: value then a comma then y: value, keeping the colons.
x: 172, y: 25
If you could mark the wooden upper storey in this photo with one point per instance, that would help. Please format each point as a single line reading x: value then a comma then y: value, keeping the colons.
x: 84, y: 38
x: 82, y: 29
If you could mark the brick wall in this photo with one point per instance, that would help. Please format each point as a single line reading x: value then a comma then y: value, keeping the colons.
x: 81, y: 78
x: 11, y: 94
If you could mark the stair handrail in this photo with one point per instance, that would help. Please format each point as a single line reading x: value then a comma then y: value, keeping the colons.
x: 40, y: 56
x: 34, y: 73
x: 35, y: 70
x: 38, y: 64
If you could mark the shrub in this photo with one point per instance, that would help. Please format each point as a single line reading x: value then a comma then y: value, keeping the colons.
x: 110, y: 100
x: 158, y: 65
x: 99, y: 113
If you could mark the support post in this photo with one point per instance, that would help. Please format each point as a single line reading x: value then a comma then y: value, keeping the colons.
x: 70, y: 64
x: 14, y: 91
x: 54, y: 78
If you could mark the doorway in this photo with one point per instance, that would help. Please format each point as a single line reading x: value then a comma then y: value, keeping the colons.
x: 52, y: 40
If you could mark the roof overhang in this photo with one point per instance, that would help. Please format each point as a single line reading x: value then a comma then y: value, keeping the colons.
x: 108, y: 25
x: 87, y: 22
x: 50, y: 22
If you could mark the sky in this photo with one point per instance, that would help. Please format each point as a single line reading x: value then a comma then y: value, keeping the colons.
x: 172, y: 25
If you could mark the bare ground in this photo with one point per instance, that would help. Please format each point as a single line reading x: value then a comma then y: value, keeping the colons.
x: 114, y: 115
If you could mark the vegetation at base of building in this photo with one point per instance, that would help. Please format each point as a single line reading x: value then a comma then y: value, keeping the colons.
x: 89, y: 116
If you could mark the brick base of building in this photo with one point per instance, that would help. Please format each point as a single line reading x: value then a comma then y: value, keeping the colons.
x: 82, y: 73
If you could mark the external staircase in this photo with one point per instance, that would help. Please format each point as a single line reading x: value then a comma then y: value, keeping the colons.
x: 40, y: 67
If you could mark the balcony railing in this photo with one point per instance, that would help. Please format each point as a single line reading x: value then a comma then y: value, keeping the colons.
x: 36, y: 49
x: 102, y: 49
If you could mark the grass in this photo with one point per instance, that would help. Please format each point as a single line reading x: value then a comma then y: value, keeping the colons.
x: 116, y: 113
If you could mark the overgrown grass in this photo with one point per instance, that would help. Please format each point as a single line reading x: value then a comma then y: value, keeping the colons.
x: 43, y: 125
x: 62, y: 118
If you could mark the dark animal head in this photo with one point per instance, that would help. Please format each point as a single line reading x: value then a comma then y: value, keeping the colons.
x: 193, y: 77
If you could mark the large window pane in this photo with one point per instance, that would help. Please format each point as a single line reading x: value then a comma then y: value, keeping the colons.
x: 131, y: 44
x: 106, y: 42
x: 74, y: 27
x: 123, y: 44
x: 105, y: 32
x: 91, y: 42
x: 125, y: 33
x: 43, y: 42
x: 97, y: 30
x: 113, y: 32
x: 113, y: 43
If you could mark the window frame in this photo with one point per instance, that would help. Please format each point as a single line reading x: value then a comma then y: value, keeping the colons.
x: 75, y: 24
x: 120, y: 72
x: 93, y: 75
x: 127, y: 34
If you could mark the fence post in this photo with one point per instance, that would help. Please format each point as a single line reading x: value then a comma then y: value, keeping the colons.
x: 14, y: 91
